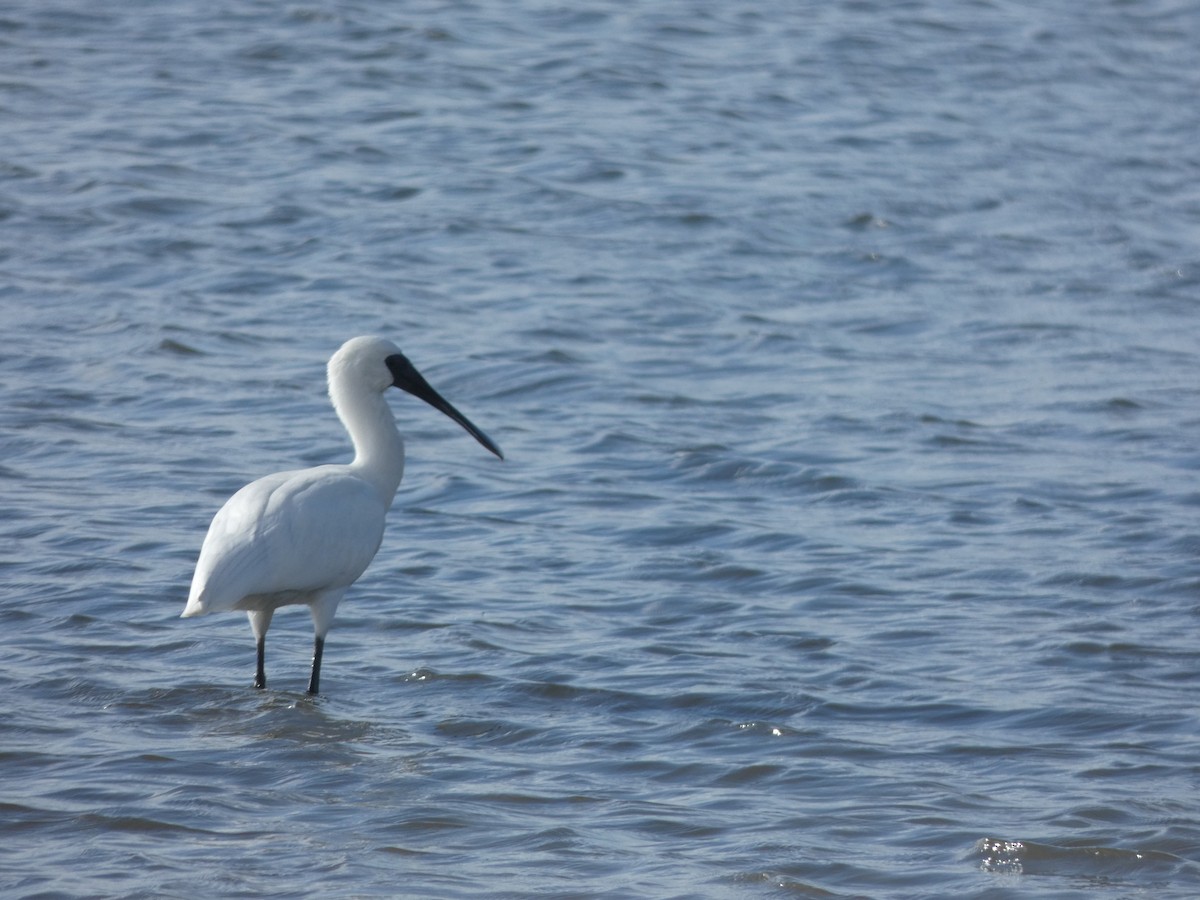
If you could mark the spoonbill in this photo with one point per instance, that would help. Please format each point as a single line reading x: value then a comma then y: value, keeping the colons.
x: 304, y: 536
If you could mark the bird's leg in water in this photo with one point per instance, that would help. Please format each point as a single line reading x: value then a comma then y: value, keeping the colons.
x: 260, y: 674
x: 314, y: 680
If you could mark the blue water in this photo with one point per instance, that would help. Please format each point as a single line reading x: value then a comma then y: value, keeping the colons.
x: 845, y: 359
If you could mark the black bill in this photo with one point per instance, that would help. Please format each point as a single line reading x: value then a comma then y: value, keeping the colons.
x: 406, y: 377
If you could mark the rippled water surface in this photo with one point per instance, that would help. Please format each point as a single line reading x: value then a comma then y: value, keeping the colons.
x: 845, y: 358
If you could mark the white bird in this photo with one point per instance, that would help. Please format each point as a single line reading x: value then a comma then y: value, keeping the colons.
x: 303, y: 537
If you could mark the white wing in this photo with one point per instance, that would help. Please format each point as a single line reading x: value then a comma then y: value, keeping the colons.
x: 292, y: 532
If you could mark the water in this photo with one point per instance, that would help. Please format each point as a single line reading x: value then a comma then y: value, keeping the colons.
x: 844, y: 356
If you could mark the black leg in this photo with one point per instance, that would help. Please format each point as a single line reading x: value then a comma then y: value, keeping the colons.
x: 260, y: 675
x: 314, y: 681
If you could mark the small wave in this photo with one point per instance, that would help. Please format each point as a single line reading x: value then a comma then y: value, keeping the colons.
x: 1031, y: 858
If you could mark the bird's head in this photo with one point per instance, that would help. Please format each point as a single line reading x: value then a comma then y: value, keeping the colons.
x: 374, y: 364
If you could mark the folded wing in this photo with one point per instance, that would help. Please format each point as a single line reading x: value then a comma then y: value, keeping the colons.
x: 288, y: 533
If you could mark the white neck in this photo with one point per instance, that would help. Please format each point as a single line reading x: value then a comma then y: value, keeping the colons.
x: 378, y: 447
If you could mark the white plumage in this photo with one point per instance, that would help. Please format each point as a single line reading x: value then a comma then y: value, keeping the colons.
x: 305, y: 536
